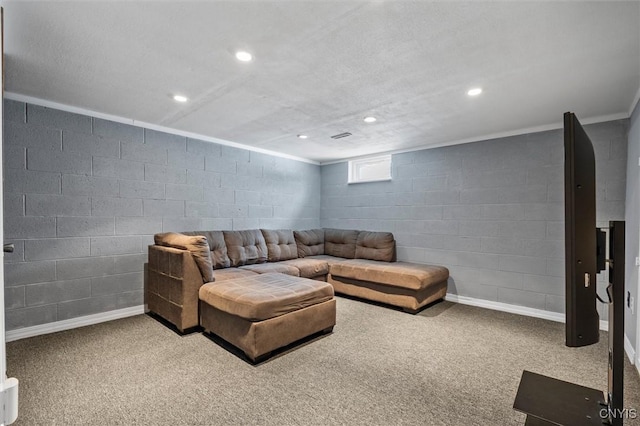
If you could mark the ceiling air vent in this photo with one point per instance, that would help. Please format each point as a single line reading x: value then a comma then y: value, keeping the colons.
x: 341, y: 135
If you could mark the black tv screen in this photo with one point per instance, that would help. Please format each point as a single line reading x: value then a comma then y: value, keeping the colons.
x: 582, y: 320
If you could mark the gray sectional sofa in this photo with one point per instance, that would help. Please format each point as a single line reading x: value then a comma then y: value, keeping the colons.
x: 263, y: 289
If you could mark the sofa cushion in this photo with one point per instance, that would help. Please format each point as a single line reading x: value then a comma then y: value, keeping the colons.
x: 217, y: 246
x: 266, y: 268
x: 245, y: 247
x: 413, y: 276
x: 309, y: 267
x: 265, y: 296
x: 281, y: 245
x: 340, y: 242
x: 375, y: 246
x: 310, y: 242
x: 326, y: 258
x: 232, y: 273
x: 196, y: 244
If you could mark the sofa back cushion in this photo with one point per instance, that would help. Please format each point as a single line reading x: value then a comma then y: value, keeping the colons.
x: 281, y: 245
x: 340, y: 242
x: 196, y: 244
x: 245, y: 247
x: 217, y: 246
x: 310, y: 242
x: 376, y: 246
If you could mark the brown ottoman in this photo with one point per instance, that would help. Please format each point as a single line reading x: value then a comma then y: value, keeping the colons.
x: 261, y: 313
x: 409, y: 286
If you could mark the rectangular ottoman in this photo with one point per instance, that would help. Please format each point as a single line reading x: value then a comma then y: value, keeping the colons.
x: 409, y: 286
x: 261, y: 313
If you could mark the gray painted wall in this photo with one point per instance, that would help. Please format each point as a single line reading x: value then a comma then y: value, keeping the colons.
x: 491, y: 211
x: 632, y: 226
x: 84, y: 196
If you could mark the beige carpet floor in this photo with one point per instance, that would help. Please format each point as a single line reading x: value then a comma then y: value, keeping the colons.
x: 449, y: 365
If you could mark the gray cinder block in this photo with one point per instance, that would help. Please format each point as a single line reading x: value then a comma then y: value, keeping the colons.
x: 18, y: 251
x: 31, y: 182
x: 184, y: 192
x: 138, y: 225
x: 68, y: 269
x: 55, y: 118
x: 29, y: 272
x: 105, y: 246
x: 143, y: 153
x: 164, y: 140
x: 171, y: 208
x: 234, y: 154
x: 209, y: 180
x: 219, y: 164
x: 14, y: 298
x: 245, y: 223
x: 219, y: 223
x: 29, y: 227
x: 200, y: 209
x: 114, y: 284
x: 28, y: 317
x: 60, y: 162
x: 14, y: 157
x: 56, y: 248
x: 179, y: 224
x: 248, y: 197
x: 57, y: 205
x: 101, y: 206
x: 13, y: 205
x: 90, y: 144
x: 141, y: 189
x: 57, y: 291
x: 89, y: 306
x: 89, y: 185
x: 24, y: 135
x: 14, y: 111
x: 523, y: 298
x: 84, y: 226
x: 204, y: 148
x: 129, y: 263
x: 258, y: 211
x: 113, y: 167
x: 129, y: 299
x: 186, y: 160
x: 118, y: 131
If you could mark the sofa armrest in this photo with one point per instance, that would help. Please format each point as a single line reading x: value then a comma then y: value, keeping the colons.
x: 172, y: 286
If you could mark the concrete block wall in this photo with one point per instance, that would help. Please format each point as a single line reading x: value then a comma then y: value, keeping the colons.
x: 491, y: 211
x: 83, y: 197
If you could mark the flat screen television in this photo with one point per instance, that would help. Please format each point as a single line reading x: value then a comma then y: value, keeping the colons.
x: 582, y: 320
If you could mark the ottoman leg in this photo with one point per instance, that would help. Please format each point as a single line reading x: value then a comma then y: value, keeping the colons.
x: 260, y: 358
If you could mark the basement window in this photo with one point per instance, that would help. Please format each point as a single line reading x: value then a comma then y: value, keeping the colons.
x: 372, y: 169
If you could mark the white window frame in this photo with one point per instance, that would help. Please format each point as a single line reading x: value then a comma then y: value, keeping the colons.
x: 356, y: 165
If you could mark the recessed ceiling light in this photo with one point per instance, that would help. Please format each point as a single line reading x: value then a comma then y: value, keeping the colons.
x: 180, y: 98
x: 474, y: 92
x: 244, y: 56
x: 303, y: 136
x: 369, y: 119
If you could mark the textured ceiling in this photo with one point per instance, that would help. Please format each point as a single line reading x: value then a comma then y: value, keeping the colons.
x: 321, y: 66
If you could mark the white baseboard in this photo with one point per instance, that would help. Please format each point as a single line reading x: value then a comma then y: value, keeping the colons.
x: 628, y: 348
x: 536, y: 313
x: 52, y: 327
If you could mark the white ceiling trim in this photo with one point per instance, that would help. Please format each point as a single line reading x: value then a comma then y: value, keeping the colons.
x: 537, y: 129
x: 45, y: 103
x: 68, y: 108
